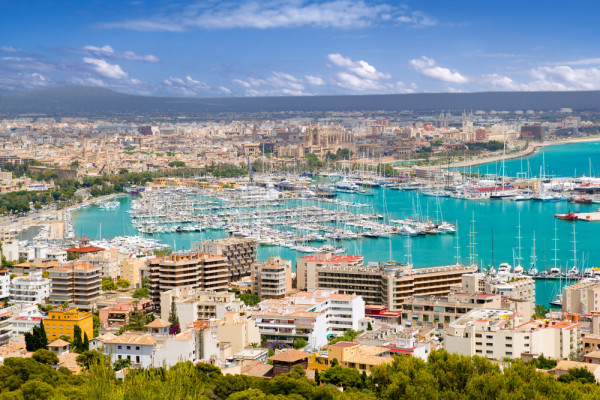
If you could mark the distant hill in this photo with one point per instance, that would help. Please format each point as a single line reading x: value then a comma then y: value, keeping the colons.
x: 94, y: 101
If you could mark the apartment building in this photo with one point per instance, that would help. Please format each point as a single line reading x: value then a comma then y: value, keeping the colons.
x: 198, y: 305
x: 514, y: 287
x: 272, y: 279
x: 30, y: 289
x: 131, y: 271
x: 194, y: 271
x: 238, y: 331
x: 62, y: 321
x: 4, y: 284
x: 439, y: 312
x: 497, y: 334
x: 582, y: 298
x: 76, y: 283
x: 240, y: 253
x: 312, y: 316
x: 306, y: 267
x: 108, y: 261
x: 386, y: 283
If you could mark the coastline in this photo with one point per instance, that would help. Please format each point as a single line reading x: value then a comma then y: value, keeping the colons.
x: 531, y: 149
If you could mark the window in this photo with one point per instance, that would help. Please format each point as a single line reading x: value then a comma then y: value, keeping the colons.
x: 137, y: 359
x: 119, y: 356
x: 362, y: 366
x: 128, y: 347
x: 137, y: 347
x: 119, y: 347
x: 508, y: 345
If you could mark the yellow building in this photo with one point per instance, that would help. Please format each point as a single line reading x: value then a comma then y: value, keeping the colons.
x: 130, y: 271
x: 62, y: 321
x: 358, y: 356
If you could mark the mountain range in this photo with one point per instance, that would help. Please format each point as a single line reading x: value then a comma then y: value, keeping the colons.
x: 94, y: 101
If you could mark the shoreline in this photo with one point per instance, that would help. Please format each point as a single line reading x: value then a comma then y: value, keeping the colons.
x: 531, y: 149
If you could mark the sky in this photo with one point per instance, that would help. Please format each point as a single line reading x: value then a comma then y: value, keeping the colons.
x: 276, y: 47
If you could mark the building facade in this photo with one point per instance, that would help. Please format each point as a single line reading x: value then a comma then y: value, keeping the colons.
x: 62, y: 321
x: 194, y: 271
x: 30, y: 289
x: 240, y: 253
x: 272, y: 279
x: 76, y: 283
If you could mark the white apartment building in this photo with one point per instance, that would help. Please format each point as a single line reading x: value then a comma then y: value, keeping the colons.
x: 512, y: 286
x: 138, y: 347
x: 4, y: 284
x: 30, y: 289
x: 582, y: 298
x: 198, y: 305
x: 497, y: 334
x: 312, y: 316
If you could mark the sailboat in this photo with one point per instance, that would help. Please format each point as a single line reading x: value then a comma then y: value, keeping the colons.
x: 533, y: 271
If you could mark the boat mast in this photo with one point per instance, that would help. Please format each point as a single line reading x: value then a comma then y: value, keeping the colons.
x: 457, y: 245
x: 555, y: 259
x: 533, y: 257
x: 519, y: 237
x: 472, y: 243
x: 574, y: 248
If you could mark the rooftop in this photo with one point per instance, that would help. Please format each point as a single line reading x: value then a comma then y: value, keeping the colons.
x: 290, y: 356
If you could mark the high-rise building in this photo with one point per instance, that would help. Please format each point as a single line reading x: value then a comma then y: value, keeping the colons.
x: 76, y: 283
x: 240, y: 253
x: 194, y: 271
x: 272, y: 279
x: 535, y: 131
x: 4, y: 283
x: 386, y: 283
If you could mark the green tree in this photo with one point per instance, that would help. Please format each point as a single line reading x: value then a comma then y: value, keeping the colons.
x: 369, y: 326
x: 581, y: 375
x: 540, y: 311
x: 317, y: 377
x: 86, y: 343
x: 300, y: 343
x: 77, y: 344
x: 89, y: 358
x: 177, y: 164
x: 141, y: 293
x: 45, y: 357
x: 122, y: 363
x: 37, y: 390
x: 174, y: 319
x: 123, y: 283
x: 108, y: 284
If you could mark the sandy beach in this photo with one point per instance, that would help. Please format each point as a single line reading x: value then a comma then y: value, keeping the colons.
x: 531, y: 148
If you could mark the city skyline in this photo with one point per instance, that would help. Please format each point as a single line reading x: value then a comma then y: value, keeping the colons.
x: 275, y: 48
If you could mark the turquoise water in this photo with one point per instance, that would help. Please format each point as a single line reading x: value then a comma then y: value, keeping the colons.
x: 572, y: 159
x: 501, y: 216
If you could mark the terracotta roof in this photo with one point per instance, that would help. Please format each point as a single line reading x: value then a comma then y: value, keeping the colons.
x: 69, y: 360
x: 58, y: 343
x: 290, y: 356
x: 259, y: 370
x: 158, y: 323
x: 593, y: 354
x: 144, y: 340
x: 343, y: 344
x: 86, y: 249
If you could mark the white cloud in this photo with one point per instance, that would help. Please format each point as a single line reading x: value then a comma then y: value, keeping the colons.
x: 187, y: 86
x: 361, y: 76
x: 564, y: 77
x: 267, y: 14
x: 112, y: 71
x: 108, y: 52
x: 10, y: 49
x: 417, y: 19
x: 278, y: 83
x: 500, y: 82
x: 360, y: 68
x: 86, y: 81
x: 314, y: 80
x: 224, y: 90
x: 428, y: 67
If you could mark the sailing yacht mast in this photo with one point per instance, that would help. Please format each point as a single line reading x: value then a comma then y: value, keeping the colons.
x: 519, y: 237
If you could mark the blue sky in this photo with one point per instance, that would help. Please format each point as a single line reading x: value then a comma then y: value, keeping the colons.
x: 275, y: 47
